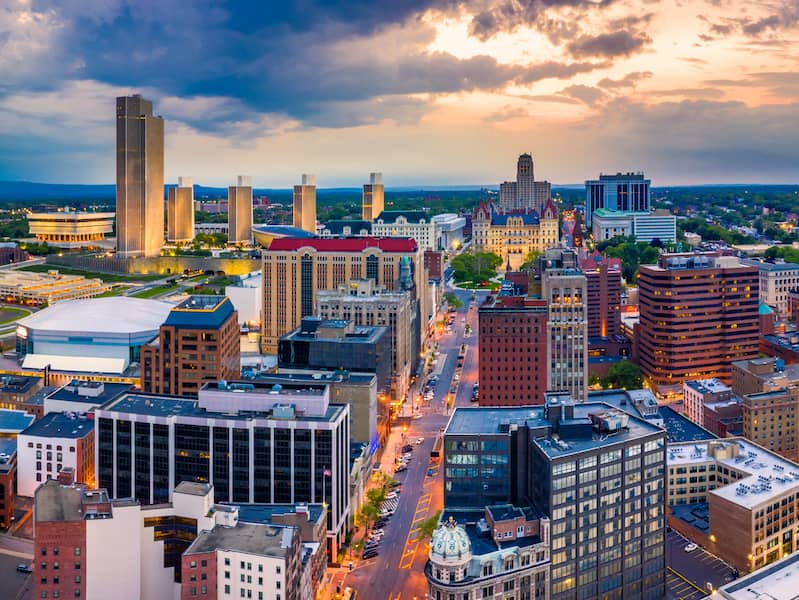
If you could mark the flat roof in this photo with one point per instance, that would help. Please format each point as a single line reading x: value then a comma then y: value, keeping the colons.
x: 170, y: 406
x: 680, y: 428
x: 88, y: 391
x: 349, y: 244
x: 193, y: 488
x: 250, y: 538
x: 763, y: 265
x: 708, y: 386
x: 14, y: 421
x: 61, y: 425
x: 200, y: 312
x: 17, y: 384
x: 316, y: 377
x: 767, y: 475
x: 777, y: 581
x: 263, y: 513
x: 8, y: 446
x: 788, y: 341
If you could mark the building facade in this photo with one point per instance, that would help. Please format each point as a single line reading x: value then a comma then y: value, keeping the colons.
x: 140, y: 178
x: 645, y: 226
x: 696, y: 394
x: 417, y: 225
x: 304, y: 204
x: 603, y: 293
x: 198, y: 342
x: 180, y: 211
x: 449, y: 231
x: 373, y: 199
x: 35, y: 289
x: 777, y: 281
x: 525, y: 194
x: 54, y: 443
x: 771, y: 420
x: 621, y: 192
x: 71, y: 229
x: 513, y: 363
x: 762, y: 375
x: 366, y: 304
x: 746, y: 498
x: 283, y: 444
x: 504, y: 554
x: 239, y: 213
x: 513, y: 236
x: 698, y: 314
x: 295, y: 269
x: 8, y: 480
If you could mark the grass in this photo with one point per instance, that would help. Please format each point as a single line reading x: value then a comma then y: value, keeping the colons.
x: 109, y: 277
x: 9, y: 315
x: 155, y: 291
x: 115, y: 291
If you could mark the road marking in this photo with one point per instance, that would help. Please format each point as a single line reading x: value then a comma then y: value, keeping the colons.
x: 17, y: 554
x: 686, y: 580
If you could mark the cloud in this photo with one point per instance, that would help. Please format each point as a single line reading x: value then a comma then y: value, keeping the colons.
x: 507, y: 113
x: 608, y: 45
x: 628, y: 81
x: 584, y: 93
x: 698, y: 92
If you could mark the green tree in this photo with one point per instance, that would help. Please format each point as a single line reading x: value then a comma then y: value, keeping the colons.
x: 453, y: 300
x: 530, y: 259
x: 428, y: 526
x: 623, y: 375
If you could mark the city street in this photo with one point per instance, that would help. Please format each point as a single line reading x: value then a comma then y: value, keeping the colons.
x: 397, y: 573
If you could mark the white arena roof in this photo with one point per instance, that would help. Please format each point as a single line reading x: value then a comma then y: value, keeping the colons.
x: 116, y: 314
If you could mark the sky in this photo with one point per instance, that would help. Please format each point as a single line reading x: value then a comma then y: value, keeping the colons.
x: 428, y: 92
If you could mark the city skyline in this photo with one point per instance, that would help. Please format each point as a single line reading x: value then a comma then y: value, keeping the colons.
x: 430, y: 92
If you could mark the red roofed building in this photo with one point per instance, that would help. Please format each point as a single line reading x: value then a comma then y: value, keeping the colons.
x: 295, y: 268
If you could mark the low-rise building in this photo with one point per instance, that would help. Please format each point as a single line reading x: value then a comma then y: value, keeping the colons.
x: 449, y: 231
x: 724, y: 418
x: 645, y: 226
x: 17, y: 390
x: 700, y: 392
x: 81, y: 397
x: 56, y: 442
x: 771, y: 419
x: 71, y: 229
x: 502, y: 552
x: 735, y: 499
x: 8, y: 480
x: 774, y: 582
x: 416, y: 224
x: 762, y: 375
x: 784, y: 346
x: 777, y: 279
x: 37, y: 289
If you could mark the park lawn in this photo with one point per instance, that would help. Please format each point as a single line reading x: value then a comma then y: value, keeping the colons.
x: 9, y: 315
x: 109, y: 277
x: 155, y: 291
x: 115, y: 291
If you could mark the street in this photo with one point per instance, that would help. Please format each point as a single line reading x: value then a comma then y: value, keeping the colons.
x: 397, y: 573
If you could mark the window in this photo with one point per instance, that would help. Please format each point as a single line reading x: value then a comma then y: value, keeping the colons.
x: 77, y: 593
x: 44, y: 551
x: 193, y: 564
x: 43, y: 595
x: 77, y: 578
x: 277, y: 585
x: 77, y: 551
x: 204, y: 563
x: 277, y: 570
x: 55, y: 551
x: 227, y: 575
x: 55, y: 565
x: 227, y: 562
x: 204, y: 590
x: 242, y: 564
x: 77, y: 566
x: 227, y: 587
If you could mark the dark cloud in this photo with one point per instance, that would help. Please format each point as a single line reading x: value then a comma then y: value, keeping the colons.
x: 629, y: 80
x: 507, y: 16
x: 608, y: 45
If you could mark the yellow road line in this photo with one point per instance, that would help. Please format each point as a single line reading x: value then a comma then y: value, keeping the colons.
x: 688, y: 581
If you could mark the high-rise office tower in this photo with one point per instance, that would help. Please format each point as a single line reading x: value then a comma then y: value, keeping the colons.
x: 603, y: 281
x: 239, y: 211
x: 373, y: 197
x: 305, y: 204
x: 563, y: 286
x: 140, y: 178
x: 525, y: 194
x: 625, y: 192
x: 699, y: 313
x: 180, y: 211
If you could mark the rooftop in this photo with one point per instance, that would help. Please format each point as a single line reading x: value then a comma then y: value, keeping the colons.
x: 200, y: 312
x: 708, y: 386
x: 789, y: 341
x: 412, y: 216
x: 56, y: 502
x: 250, y: 538
x: 61, y: 425
x: 680, y: 428
x: 777, y: 581
x: 14, y: 421
x: 608, y: 213
x: 8, y: 448
x: 766, y: 475
x: 283, y: 230
x: 316, y: 377
x: 100, y: 315
x: 193, y: 488
x: 351, y: 244
x: 337, y: 226
x: 88, y: 391
x: 764, y: 265
x: 263, y: 513
x: 17, y: 384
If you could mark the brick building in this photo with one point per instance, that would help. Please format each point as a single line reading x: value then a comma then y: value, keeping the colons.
x: 698, y: 314
x: 603, y: 287
x: 198, y: 342
x: 8, y: 474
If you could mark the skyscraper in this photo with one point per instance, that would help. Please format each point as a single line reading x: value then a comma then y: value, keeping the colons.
x: 305, y: 204
x: 626, y: 192
x: 140, y: 178
x: 180, y: 211
x: 239, y: 215
x: 373, y: 197
x: 699, y: 313
x: 524, y: 194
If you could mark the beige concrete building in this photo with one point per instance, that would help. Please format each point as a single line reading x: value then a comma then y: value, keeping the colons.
x: 514, y: 235
x: 35, y: 289
x: 762, y: 375
x: 734, y: 498
x: 140, y: 178
x: 365, y: 303
x: 304, y: 206
x: 771, y: 420
x: 71, y: 229
x: 239, y: 215
x: 373, y: 201
x: 295, y: 269
x: 180, y: 211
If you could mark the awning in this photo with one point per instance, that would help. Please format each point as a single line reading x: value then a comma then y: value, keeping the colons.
x: 79, y: 364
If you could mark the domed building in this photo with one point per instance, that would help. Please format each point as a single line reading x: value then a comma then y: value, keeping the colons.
x: 504, y: 551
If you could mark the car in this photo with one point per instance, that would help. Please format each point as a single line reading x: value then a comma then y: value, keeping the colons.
x: 370, y: 554
x: 392, y: 495
x: 378, y: 531
x: 371, y: 544
x: 420, y: 441
x: 690, y: 547
x: 395, y: 484
x: 407, y: 456
x: 24, y: 568
x: 429, y: 472
x: 407, y: 448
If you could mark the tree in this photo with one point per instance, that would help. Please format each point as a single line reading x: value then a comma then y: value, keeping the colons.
x: 530, y: 259
x: 453, y: 300
x: 624, y: 375
x: 428, y: 526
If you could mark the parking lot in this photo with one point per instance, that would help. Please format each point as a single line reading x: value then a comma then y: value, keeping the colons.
x: 689, y: 573
x: 14, y: 582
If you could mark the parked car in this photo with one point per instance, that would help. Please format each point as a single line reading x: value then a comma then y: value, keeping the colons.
x: 407, y: 448
x: 419, y: 441
x: 370, y: 554
x: 24, y: 568
x: 690, y: 547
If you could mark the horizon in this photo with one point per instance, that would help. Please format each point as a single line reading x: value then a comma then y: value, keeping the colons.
x: 430, y: 92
